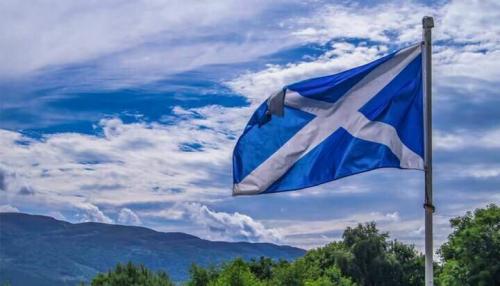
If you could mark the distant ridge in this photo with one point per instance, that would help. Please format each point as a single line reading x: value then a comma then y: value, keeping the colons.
x: 41, y: 250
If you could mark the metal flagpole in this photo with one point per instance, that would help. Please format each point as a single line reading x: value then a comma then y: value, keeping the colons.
x: 428, y: 24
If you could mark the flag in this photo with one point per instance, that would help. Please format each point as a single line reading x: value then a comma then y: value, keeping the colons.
x: 326, y: 128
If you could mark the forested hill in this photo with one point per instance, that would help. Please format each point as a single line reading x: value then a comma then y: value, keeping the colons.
x: 40, y: 250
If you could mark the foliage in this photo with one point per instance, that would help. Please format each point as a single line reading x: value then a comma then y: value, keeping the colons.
x: 368, y: 258
x: 201, y: 276
x: 235, y: 273
x: 365, y: 256
x: 262, y: 268
x: 472, y: 254
x: 411, y: 263
x: 132, y: 275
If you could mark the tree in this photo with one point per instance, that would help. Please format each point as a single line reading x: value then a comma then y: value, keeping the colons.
x: 202, y: 276
x: 262, y: 268
x: 366, y: 256
x: 334, y: 275
x: 371, y: 262
x: 411, y: 263
x: 289, y: 274
x: 472, y: 254
x: 317, y: 268
x: 236, y: 273
x: 133, y: 275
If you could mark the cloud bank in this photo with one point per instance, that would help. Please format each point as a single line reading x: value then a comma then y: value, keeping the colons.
x: 179, y: 167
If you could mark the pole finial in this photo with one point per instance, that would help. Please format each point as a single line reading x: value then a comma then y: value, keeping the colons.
x: 428, y: 22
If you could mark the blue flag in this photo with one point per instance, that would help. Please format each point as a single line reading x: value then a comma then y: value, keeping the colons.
x: 326, y: 128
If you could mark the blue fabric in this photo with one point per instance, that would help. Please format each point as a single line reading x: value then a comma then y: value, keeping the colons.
x: 340, y: 155
x: 398, y: 104
x: 331, y: 88
x: 251, y: 150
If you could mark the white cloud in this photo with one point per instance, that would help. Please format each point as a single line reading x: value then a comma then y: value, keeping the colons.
x: 451, y: 171
x: 259, y: 85
x: 220, y: 225
x: 310, y: 234
x: 8, y: 209
x: 127, y: 39
x: 484, y: 173
x: 471, y: 21
x: 380, y: 22
x: 130, y: 163
x: 393, y: 216
x: 129, y: 43
x: 232, y: 226
x: 452, y: 63
x: 469, y: 49
x: 298, y: 227
x: 128, y: 217
x: 467, y: 138
x: 57, y: 215
x: 348, y: 187
x: 143, y: 163
x: 92, y: 213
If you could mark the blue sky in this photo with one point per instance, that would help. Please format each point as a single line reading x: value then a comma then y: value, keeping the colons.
x: 127, y: 112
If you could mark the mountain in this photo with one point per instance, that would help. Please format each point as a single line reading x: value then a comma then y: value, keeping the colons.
x: 40, y: 250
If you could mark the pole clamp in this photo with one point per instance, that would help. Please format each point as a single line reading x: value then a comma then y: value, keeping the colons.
x: 429, y: 207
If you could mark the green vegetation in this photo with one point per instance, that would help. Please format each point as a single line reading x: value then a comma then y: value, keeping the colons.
x: 472, y: 254
x: 132, y: 275
x: 364, y: 256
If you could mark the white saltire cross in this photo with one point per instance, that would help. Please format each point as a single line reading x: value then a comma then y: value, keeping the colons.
x: 329, y: 117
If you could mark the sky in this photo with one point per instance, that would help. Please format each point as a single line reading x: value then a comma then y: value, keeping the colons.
x: 127, y: 112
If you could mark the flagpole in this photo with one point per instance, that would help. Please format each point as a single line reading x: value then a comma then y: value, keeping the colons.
x: 428, y: 24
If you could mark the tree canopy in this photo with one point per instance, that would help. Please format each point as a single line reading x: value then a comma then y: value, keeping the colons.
x: 472, y: 254
x: 132, y: 275
x: 365, y: 256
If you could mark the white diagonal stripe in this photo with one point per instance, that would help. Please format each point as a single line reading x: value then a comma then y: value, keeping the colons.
x: 330, y: 117
x: 383, y: 133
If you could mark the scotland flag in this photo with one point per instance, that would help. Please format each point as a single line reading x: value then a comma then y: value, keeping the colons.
x: 326, y: 128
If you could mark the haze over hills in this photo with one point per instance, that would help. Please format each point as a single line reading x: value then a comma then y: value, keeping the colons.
x: 40, y: 250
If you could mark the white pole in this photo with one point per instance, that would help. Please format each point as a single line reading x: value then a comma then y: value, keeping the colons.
x: 428, y: 24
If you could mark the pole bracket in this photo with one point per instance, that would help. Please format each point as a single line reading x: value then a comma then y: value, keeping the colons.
x: 429, y: 207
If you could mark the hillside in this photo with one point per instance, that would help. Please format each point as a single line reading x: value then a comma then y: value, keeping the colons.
x: 40, y: 250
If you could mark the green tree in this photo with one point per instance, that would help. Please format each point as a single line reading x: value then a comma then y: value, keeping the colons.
x: 236, y: 273
x: 472, y: 254
x: 131, y: 275
x: 411, y: 263
x: 322, y: 281
x: 262, y: 268
x: 321, y: 259
x: 366, y: 256
x: 200, y: 276
x: 335, y: 276
x: 370, y: 264
x: 289, y: 274
x: 317, y: 268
